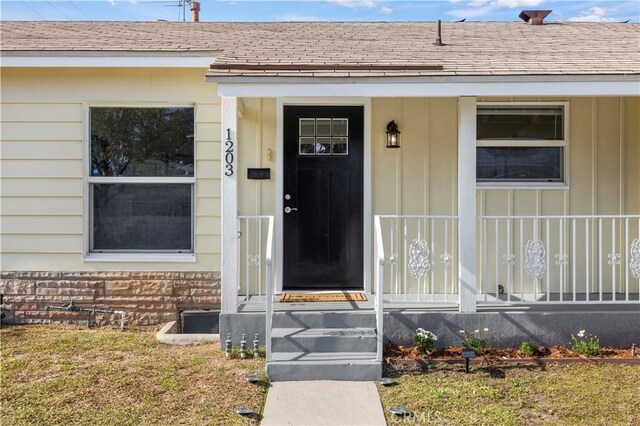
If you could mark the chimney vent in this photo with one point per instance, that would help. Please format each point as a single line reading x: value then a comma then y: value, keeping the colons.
x: 534, y: 17
x: 439, y: 36
x: 195, y: 11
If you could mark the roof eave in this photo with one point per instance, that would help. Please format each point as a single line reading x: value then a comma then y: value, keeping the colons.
x: 441, y: 86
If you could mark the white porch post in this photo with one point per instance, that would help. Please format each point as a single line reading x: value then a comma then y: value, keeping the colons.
x: 229, y: 204
x: 467, y: 202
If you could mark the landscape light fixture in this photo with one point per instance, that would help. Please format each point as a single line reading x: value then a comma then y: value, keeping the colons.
x: 253, y: 378
x: 467, y: 354
x: 243, y: 411
x: 399, y: 410
x: 393, y: 135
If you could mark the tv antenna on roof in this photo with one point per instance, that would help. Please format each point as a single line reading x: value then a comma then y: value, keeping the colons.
x: 182, y: 4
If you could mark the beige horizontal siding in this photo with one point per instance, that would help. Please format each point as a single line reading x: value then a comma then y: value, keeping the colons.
x: 209, y: 150
x: 41, y: 112
x: 40, y: 131
x: 208, y: 131
x: 208, y: 225
x: 47, y: 243
x: 35, y: 150
x: 209, y: 188
x: 42, y: 187
x: 42, y: 206
x: 208, y: 169
x: 41, y: 167
x: 115, y: 94
x: 70, y: 225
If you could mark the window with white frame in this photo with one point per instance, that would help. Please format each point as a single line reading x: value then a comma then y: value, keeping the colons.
x: 521, y: 143
x: 141, y: 179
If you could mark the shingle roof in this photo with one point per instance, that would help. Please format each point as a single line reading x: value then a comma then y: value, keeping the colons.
x: 355, y: 49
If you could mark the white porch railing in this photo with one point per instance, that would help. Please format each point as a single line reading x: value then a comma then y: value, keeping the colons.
x: 559, y: 259
x: 254, y: 257
x: 255, y: 266
x: 420, y: 258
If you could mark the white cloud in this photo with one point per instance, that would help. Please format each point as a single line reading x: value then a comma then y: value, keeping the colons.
x: 471, y: 12
x: 355, y: 4
x: 476, y: 8
x: 477, y: 3
x: 517, y: 3
x: 361, y: 5
x: 594, y: 14
x: 112, y: 2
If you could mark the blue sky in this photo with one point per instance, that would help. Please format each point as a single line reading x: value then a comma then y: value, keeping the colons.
x: 314, y: 10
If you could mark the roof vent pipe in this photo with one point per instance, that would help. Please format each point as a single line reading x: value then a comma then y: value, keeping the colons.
x: 534, y: 17
x: 439, y: 37
x: 195, y: 11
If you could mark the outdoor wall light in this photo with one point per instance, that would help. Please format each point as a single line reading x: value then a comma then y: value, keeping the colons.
x: 393, y: 135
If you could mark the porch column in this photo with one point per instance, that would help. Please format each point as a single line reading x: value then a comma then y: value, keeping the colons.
x: 229, y: 197
x: 467, y: 203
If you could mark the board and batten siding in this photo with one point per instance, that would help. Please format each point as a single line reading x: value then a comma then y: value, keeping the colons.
x: 41, y: 160
x: 420, y: 178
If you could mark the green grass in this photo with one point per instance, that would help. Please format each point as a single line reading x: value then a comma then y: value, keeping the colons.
x: 575, y: 394
x: 64, y: 375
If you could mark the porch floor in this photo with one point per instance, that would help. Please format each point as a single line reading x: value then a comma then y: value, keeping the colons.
x: 257, y: 304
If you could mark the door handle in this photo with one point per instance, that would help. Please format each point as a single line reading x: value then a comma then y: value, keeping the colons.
x: 289, y: 209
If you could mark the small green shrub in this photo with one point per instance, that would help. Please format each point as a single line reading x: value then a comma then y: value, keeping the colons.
x: 425, y: 341
x: 527, y: 348
x: 475, y: 341
x: 583, y: 344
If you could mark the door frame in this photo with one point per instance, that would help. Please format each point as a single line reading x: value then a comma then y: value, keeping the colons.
x: 365, y: 102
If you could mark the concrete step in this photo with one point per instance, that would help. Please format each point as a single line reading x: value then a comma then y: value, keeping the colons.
x: 323, y: 340
x: 294, y: 366
x: 326, y: 319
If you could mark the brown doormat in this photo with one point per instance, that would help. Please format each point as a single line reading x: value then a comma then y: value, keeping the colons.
x: 323, y: 297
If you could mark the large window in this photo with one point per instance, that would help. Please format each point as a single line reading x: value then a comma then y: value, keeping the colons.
x: 141, y: 178
x: 521, y: 143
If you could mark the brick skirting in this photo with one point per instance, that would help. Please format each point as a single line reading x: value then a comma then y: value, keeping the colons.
x: 147, y: 297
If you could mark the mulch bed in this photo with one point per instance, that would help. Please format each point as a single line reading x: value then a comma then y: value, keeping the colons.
x: 451, y: 354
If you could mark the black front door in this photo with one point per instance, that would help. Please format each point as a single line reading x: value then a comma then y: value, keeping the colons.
x: 323, y: 197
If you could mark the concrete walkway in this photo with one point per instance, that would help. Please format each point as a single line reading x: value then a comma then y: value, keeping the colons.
x: 323, y: 402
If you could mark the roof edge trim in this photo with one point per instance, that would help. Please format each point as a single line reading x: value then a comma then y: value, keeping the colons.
x: 108, y: 59
x: 571, y: 85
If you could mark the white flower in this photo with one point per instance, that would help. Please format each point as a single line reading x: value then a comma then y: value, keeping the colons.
x: 485, y: 329
x: 476, y: 331
x: 581, y: 333
x: 461, y: 331
x: 421, y: 332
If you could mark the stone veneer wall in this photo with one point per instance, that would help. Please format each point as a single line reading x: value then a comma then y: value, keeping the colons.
x: 147, y: 297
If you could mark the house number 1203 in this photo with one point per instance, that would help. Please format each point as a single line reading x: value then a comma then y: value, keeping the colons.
x: 228, y: 157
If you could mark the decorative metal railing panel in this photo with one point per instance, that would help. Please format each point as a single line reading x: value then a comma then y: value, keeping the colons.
x: 420, y: 263
x: 253, y: 248
x: 558, y: 259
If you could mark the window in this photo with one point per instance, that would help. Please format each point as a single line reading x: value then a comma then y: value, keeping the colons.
x: 323, y: 136
x: 141, y: 178
x: 521, y: 143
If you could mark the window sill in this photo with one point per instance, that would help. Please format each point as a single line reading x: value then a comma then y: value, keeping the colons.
x: 523, y: 185
x: 141, y: 257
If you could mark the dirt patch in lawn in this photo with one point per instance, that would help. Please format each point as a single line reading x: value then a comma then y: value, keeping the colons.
x: 75, y: 376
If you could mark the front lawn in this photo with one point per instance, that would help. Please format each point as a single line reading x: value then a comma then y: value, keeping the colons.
x: 574, y: 394
x: 65, y: 375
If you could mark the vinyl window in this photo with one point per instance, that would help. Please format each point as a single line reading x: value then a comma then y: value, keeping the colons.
x: 141, y: 179
x: 521, y: 143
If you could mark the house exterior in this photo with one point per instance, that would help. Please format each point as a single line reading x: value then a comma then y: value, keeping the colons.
x: 154, y: 166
